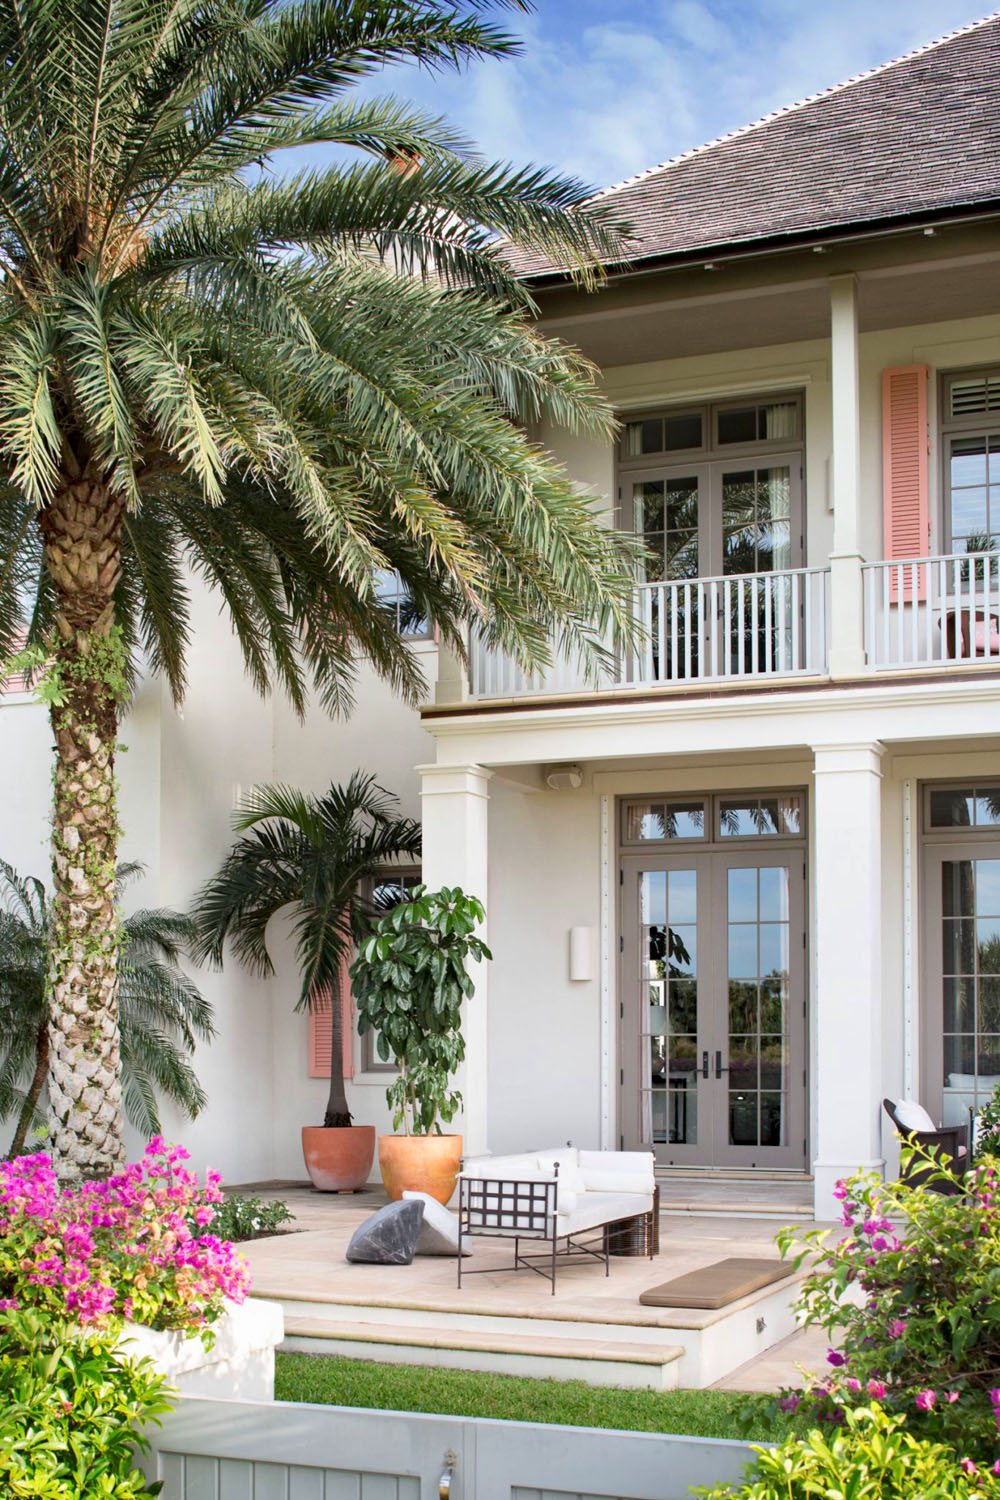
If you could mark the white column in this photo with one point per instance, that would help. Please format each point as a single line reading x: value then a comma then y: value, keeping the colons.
x: 847, y: 630
x: 455, y: 800
x: 847, y: 1008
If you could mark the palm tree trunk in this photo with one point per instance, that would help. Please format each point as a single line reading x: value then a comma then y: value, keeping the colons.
x: 337, y: 1112
x: 27, y: 1115
x: 81, y: 530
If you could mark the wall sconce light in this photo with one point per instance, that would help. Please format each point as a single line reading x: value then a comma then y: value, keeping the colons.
x: 581, y: 953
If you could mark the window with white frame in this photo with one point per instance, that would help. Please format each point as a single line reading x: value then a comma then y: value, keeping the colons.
x: 970, y: 431
x: 393, y: 595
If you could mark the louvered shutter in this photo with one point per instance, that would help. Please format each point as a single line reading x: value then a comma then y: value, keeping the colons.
x: 321, y: 1029
x: 905, y: 490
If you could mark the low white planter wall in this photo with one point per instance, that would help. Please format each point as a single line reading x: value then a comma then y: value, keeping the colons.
x: 238, y: 1367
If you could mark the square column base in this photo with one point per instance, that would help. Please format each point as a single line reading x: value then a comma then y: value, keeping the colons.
x: 826, y: 1175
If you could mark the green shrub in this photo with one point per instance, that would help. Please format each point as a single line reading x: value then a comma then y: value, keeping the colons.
x: 239, y: 1218
x: 911, y: 1295
x: 988, y: 1127
x: 70, y: 1410
x: 872, y: 1456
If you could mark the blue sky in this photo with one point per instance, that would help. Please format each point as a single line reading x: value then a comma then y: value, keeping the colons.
x: 606, y: 88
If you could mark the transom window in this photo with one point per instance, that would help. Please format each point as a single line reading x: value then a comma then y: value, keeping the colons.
x: 737, y: 816
x: 971, y: 443
x: 774, y: 420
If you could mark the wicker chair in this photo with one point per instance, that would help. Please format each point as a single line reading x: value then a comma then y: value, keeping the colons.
x: 949, y: 1144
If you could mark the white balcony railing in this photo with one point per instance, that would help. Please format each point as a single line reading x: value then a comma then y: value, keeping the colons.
x: 929, y: 611
x: 750, y: 625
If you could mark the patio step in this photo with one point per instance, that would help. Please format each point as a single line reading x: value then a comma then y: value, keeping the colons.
x: 601, y: 1362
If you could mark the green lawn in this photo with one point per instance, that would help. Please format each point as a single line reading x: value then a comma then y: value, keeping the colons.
x: 468, y: 1393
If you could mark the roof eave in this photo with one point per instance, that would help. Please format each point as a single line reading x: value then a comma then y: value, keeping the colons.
x: 880, y: 228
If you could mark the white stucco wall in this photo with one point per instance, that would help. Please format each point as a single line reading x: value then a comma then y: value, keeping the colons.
x: 544, y: 1028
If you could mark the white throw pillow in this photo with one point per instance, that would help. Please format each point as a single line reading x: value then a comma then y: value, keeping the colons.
x: 913, y: 1116
x: 570, y: 1179
x: 439, y: 1228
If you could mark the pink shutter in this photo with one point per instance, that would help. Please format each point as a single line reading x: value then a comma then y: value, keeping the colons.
x: 905, y: 487
x: 321, y: 1029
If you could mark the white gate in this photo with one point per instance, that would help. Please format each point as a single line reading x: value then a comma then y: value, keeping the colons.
x: 230, y: 1450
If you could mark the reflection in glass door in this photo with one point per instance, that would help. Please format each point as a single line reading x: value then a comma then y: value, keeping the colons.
x: 758, y: 954
x: 714, y: 1017
x: 668, y: 1040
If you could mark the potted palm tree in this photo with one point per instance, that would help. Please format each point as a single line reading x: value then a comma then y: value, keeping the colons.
x: 312, y: 857
x: 162, y: 1014
x: 409, y: 981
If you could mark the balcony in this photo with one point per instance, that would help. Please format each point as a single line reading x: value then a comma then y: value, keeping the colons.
x: 742, y: 627
x: 919, y: 612
x: 932, y: 611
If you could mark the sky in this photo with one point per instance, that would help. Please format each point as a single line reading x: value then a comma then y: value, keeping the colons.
x: 606, y: 88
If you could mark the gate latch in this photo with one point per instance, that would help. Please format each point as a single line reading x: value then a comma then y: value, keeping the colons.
x: 444, y: 1483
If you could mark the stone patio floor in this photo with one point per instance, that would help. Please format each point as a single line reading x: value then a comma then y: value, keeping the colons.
x: 310, y: 1261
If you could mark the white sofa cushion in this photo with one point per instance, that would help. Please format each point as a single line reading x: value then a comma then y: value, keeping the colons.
x: 617, y: 1171
x: 571, y: 1183
x: 913, y: 1116
x: 594, y: 1209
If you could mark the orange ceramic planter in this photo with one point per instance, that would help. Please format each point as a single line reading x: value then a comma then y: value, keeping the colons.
x: 339, y: 1158
x: 420, y: 1164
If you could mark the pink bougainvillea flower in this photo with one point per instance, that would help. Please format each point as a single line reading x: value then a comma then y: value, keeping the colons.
x: 897, y: 1328
x: 876, y: 1389
x: 926, y: 1400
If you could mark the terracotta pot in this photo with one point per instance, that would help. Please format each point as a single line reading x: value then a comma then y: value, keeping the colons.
x: 339, y: 1158
x: 420, y: 1163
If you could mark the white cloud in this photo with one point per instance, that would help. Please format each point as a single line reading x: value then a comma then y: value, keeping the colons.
x: 607, y: 88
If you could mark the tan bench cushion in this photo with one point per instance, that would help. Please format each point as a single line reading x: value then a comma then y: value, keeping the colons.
x: 717, y: 1285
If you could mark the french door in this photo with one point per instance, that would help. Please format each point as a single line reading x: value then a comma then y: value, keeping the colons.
x: 737, y: 520
x: 713, y: 1007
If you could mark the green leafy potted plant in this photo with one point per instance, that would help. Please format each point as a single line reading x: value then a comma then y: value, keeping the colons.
x: 313, y: 857
x: 409, y: 981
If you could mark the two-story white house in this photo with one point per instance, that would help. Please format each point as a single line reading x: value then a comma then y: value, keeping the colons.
x: 748, y: 882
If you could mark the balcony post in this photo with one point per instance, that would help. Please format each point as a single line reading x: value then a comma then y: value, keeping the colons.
x: 452, y: 685
x: 455, y: 803
x: 847, y: 626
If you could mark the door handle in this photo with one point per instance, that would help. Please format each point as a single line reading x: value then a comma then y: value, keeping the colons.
x: 704, y: 1065
x: 719, y: 1069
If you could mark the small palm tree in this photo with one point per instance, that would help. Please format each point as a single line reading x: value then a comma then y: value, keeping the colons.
x: 314, y: 857
x: 162, y: 1012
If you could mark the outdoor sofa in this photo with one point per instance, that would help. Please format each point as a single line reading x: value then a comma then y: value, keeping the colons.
x: 562, y: 1197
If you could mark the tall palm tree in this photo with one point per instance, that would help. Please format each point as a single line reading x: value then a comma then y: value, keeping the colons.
x: 281, y: 387
x: 315, y: 858
x: 163, y: 1015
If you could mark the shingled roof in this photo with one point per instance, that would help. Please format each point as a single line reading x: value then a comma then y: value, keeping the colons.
x: 915, y: 137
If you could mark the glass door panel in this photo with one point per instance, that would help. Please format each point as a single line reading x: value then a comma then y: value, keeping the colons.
x: 970, y: 944
x: 669, y: 516
x: 757, y: 956
x: 668, y: 1037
